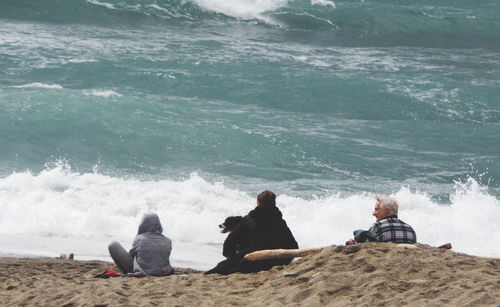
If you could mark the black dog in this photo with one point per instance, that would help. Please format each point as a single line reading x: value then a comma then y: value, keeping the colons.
x: 226, y: 266
x: 230, y: 223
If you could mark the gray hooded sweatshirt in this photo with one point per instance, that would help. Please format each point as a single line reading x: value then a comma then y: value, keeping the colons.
x: 150, y: 249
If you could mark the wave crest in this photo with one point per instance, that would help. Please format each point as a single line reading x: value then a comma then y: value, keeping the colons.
x: 59, y: 202
x: 373, y: 23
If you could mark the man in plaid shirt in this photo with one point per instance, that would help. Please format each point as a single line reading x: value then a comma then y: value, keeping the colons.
x: 388, y: 227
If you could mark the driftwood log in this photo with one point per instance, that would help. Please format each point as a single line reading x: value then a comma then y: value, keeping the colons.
x: 281, y: 253
x: 292, y: 253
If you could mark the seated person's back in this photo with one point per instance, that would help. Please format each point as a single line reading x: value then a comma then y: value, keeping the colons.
x: 150, y: 253
x: 388, y: 227
x: 151, y: 249
x: 262, y: 228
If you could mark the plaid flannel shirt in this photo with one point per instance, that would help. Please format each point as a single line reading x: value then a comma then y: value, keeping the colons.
x: 392, y: 229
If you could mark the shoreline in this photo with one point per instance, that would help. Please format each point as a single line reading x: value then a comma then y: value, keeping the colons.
x: 185, y: 255
x: 364, y: 274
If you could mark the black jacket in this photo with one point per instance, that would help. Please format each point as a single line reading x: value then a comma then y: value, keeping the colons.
x: 262, y: 228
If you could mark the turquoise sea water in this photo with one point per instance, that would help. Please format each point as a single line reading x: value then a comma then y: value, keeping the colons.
x: 312, y: 99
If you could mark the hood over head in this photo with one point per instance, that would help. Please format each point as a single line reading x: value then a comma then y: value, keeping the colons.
x: 150, y: 223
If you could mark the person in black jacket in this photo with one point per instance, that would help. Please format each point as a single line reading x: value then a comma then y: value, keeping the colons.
x: 262, y: 228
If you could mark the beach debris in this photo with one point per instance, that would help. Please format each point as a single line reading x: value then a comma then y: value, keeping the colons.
x: 70, y: 256
x: 289, y: 274
x: 445, y: 246
x: 107, y: 274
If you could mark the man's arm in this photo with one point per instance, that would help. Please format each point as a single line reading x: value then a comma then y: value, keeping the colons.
x: 375, y: 229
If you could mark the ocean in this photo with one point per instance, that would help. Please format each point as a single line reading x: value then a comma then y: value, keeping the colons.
x: 189, y: 108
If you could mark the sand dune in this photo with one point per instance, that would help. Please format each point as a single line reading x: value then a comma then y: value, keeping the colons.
x: 371, y: 274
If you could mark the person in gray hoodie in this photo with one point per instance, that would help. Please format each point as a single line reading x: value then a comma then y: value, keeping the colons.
x: 150, y: 253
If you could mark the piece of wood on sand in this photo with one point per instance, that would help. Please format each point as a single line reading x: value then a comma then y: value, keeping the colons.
x: 280, y: 253
x: 445, y: 246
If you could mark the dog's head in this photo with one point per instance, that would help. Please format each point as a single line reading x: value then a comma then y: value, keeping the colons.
x: 230, y: 223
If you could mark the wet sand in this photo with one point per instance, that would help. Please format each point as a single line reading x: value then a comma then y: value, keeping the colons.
x: 371, y: 274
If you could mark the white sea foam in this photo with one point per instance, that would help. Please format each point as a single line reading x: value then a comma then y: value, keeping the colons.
x: 251, y: 9
x: 244, y: 9
x: 60, y: 205
x: 105, y: 4
x: 323, y: 2
x: 40, y: 85
x: 159, y: 8
x: 103, y: 93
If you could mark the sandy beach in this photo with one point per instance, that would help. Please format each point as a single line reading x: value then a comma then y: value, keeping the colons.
x: 371, y: 274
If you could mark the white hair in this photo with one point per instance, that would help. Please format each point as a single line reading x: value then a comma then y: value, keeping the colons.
x: 388, y: 203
